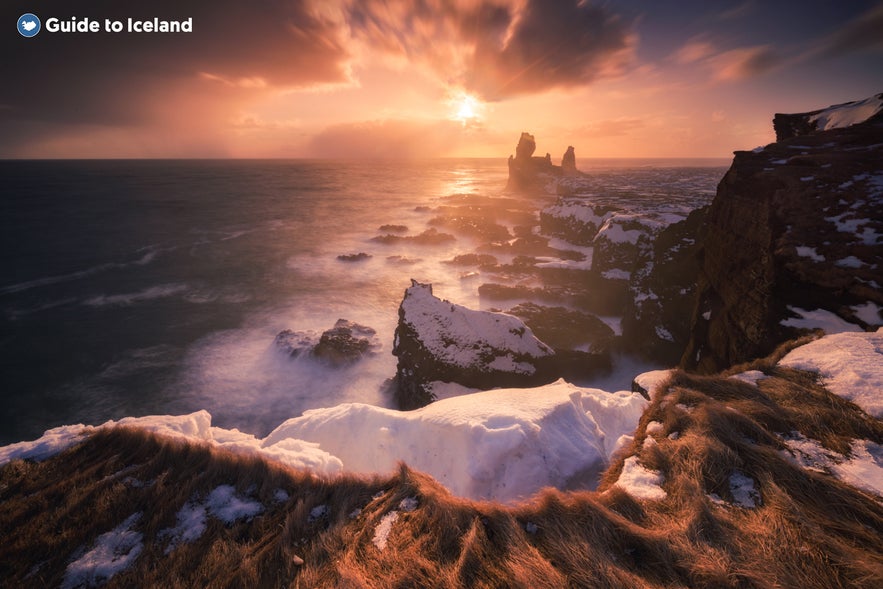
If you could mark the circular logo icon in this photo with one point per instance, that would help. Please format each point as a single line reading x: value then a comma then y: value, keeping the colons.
x: 28, y: 25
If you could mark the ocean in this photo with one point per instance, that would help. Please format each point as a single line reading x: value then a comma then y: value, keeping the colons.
x: 158, y: 287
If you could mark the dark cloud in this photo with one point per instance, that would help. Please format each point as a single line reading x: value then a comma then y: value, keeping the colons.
x: 131, y: 79
x: 500, y: 49
x: 861, y: 34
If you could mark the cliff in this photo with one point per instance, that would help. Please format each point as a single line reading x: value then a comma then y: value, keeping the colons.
x: 793, y: 238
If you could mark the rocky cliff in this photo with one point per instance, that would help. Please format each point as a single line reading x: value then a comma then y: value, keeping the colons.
x: 793, y: 238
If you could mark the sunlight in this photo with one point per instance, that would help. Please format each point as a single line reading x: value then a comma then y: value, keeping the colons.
x: 466, y: 108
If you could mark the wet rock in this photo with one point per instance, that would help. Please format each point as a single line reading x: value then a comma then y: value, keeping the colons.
x: 359, y: 257
x: 344, y: 344
x: 431, y: 236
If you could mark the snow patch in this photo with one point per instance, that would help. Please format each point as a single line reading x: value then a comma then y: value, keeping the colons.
x: 751, y: 376
x: 640, y: 482
x: 818, y: 319
x: 113, y: 553
x: 850, y: 364
x: 227, y: 507
x: 868, y: 312
x: 743, y: 491
x: 381, y: 532
x: 809, y: 252
x: 863, y: 469
x: 845, y: 115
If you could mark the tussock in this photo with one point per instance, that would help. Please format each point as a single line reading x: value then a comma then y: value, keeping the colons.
x: 721, y: 442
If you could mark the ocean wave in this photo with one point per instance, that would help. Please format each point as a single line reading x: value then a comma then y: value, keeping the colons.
x: 153, y: 292
x: 146, y: 258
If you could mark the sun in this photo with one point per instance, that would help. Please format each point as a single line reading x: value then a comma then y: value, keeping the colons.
x: 466, y: 109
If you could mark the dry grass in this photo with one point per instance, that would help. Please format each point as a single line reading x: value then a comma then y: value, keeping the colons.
x: 809, y: 530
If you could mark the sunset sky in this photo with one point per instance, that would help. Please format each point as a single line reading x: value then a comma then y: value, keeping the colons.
x: 348, y: 78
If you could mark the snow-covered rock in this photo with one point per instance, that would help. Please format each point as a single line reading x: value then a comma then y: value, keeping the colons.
x: 500, y: 444
x: 837, y: 116
x: 437, y: 340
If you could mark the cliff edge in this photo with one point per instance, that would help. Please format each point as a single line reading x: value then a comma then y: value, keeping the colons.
x: 794, y: 238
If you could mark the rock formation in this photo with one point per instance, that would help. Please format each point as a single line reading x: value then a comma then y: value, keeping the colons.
x: 343, y: 344
x: 527, y: 172
x: 794, y: 235
x: 436, y: 340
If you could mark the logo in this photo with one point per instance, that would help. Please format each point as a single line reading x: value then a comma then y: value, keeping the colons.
x: 28, y: 25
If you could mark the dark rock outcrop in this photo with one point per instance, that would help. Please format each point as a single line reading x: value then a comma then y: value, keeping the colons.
x: 794, y: 232
x: 343, y: 344
x: 436, y: 340
x: 658, y: 311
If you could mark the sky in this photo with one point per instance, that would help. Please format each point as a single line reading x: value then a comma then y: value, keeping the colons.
x: 428, y: 78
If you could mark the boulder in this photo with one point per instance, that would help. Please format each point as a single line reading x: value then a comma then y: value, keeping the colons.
x: 345, y: 343
x: 794, y: 235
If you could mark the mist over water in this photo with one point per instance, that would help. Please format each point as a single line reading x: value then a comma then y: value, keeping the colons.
x: 152, y: 287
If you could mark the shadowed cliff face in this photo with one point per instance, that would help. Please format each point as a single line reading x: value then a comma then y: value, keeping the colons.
x: 795, y: 227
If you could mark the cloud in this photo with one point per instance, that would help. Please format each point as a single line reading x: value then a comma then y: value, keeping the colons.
x: 694, y: 51
x: 499, y: 49
x: 391, y: 139
x: 864, y: 33
x: 68, y: 81
x: 612, y: 127
x: 731, y: 65
x: 745, y: 62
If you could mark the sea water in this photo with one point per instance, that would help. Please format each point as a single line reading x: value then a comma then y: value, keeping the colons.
x: 157, y: 287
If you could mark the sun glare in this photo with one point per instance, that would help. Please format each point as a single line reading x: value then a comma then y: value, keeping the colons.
x: 466, y: 109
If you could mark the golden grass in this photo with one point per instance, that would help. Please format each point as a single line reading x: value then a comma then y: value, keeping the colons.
x: 809, y: 529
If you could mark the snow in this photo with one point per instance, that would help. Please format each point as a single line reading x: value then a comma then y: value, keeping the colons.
x: 53, y: 441
x: 651, y: 379
x: 819, y: 319
x: 616, y: 274
x: 463, y: 337
x: 863, y: 469
x: 868, y: 312
x: 190, y: 525
x: 751, y: 376
x: 114, y: 552
x: 850, y: 364
x: 809, y: 252
x: 381, y: 532
x: 849, y: 262
x: 850, y: 113
x: 743, y: 491
x: 501, y: 444
x: 654, y: 427
x: 640, y: 482
x: 663, y: 334
x: 408, y: 504
x: 223, y: 503
x: 613, y: 231
x: 614, y: 323
x: 319, y: 512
